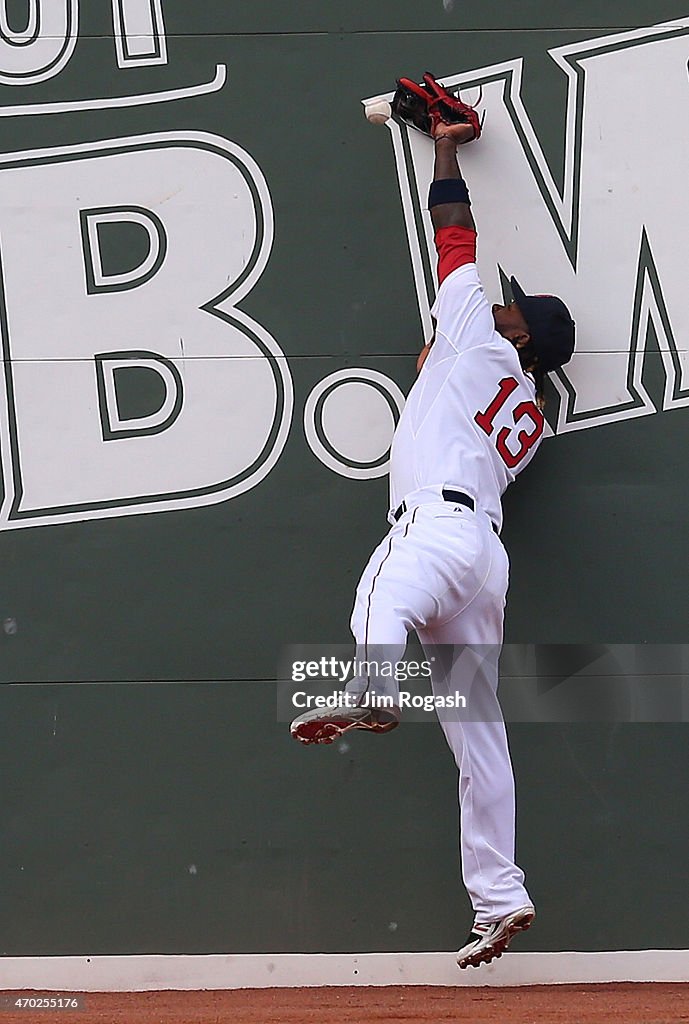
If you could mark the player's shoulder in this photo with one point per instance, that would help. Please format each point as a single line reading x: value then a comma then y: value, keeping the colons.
x: 460, y: 294
x: 503, y: 357
x: 466, y: 274
x: 508, y: 357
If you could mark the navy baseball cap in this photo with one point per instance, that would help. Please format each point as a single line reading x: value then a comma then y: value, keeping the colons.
x: 550, y: 325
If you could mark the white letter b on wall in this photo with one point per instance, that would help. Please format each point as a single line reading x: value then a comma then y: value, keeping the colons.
x: 126, y: 271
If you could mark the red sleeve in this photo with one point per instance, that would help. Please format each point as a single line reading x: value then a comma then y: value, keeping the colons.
x: 456, y: 246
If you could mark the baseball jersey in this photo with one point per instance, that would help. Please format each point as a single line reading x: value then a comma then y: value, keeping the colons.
x: 470, y: 421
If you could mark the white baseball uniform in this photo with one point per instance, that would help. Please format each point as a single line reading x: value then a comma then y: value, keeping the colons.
x: 470, y: 425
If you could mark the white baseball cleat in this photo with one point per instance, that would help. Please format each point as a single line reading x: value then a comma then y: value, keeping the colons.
x: 489, y: 941
x: 323, y: 725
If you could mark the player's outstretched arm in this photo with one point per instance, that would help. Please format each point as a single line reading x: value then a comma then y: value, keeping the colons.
x: 449, y: 203
x: 448, y: 181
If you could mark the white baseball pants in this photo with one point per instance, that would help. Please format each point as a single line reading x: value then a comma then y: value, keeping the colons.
x: 443, y: 572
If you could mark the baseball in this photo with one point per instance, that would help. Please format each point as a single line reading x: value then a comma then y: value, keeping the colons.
x: 379, y: 112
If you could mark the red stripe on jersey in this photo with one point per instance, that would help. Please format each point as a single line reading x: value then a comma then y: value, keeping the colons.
x: 456, y: 247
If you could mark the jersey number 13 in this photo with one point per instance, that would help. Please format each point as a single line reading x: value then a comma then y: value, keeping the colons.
x: 512, y: 453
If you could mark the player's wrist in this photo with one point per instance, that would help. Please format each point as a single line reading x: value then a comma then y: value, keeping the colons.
x: 448, y: 190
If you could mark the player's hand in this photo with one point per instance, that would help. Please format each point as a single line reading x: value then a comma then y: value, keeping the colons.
x: 431, y: 106
x: 422, y: 356
x: 459, y: 133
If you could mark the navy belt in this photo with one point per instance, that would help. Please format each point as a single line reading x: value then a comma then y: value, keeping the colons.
x: 458, y: 497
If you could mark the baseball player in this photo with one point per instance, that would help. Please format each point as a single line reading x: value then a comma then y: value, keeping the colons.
x: 472, y: 421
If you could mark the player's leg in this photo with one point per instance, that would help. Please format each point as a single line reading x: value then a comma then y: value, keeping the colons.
x: 428, y: 565
x: 486, y: 784
x: 466, y: 649
x: 394, y: 595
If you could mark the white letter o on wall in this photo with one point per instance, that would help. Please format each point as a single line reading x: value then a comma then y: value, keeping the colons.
x: 349, y: 419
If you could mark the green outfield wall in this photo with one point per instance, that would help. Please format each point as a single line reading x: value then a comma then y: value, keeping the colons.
x: 214, y: 279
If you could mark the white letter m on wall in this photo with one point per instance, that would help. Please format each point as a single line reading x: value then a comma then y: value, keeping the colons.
x: 613, y: 241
